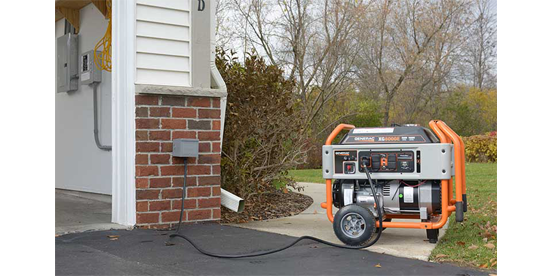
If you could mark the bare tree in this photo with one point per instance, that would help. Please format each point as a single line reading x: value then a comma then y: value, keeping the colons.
x: 403, y: 32
x: 313, y: 40
x: 406, y: 54
x: 481, y: 47
x: 225, y: 31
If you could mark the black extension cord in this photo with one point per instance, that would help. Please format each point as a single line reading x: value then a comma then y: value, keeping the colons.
x: 202, y: 251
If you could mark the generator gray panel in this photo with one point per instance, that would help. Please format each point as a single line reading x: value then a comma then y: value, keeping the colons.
x: 436, y: 161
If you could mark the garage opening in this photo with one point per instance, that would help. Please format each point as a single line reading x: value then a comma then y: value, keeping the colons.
x: 83, y: 116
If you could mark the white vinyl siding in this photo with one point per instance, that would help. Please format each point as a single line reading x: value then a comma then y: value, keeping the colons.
x: 171, y: 78
x: 162, y: 47
x: 159, y: 62
x: 162, y: 31
x: 163, y: 42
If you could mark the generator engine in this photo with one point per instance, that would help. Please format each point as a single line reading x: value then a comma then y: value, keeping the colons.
x: 421, y: 198
x: 410, y: 170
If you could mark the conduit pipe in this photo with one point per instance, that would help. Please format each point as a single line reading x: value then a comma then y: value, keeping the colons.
x: 96, y: 128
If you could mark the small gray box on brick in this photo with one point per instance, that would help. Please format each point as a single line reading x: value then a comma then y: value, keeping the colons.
x: 185, y: 147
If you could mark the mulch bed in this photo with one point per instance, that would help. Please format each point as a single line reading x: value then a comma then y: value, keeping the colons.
x: 268, y: 206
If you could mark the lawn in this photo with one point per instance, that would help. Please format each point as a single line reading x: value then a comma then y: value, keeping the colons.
x: 472, y: 242
x: 314, y: 176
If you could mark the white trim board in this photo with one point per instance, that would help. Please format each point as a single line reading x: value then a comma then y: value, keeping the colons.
x: 123, y: 110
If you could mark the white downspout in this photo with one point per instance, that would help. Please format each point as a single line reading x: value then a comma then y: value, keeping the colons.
x: 216, y: 79
x: 228, y: 199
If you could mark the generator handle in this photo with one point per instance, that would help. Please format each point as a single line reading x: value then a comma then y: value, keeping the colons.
x: 336, y: 131
x: 460, y: 169
x: 328, y: 204
x: 443, y: 139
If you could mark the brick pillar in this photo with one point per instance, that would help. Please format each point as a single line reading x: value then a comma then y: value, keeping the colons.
x: 159, y: 176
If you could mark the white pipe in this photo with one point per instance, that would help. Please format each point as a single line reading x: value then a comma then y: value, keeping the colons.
x: 231, y: 201
x: 216, y: 79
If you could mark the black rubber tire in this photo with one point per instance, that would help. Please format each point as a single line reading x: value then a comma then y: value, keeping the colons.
x: 368, y: 217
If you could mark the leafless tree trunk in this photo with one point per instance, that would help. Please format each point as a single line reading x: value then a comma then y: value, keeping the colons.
x: 481, y: 50
x: 311, y: 39
x: 404, y: 31
x: 406, y: 54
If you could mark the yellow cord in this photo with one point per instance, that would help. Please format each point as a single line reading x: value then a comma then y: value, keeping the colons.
x: 103, y: 62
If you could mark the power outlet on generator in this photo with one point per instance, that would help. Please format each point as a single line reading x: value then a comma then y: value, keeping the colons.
x: 89, y: 72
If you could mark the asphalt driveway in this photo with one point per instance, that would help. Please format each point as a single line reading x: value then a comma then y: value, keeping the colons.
x: 143, y: 252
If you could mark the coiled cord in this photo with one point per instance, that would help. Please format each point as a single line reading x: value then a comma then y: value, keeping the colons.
x: 103, y: 61
x: 248, y: 255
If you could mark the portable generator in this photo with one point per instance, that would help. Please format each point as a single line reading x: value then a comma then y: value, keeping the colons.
x: 399, y: 172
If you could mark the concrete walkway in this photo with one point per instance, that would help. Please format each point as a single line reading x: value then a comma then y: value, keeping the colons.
x: 408, y: 243
x: 80, y: 212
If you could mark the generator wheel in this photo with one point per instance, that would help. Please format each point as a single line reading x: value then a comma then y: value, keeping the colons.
x: 354, y: 225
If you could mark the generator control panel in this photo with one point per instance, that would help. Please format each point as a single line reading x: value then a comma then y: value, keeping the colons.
x: 396, y: 161
x: 348, y: 162
x: 400, y: 161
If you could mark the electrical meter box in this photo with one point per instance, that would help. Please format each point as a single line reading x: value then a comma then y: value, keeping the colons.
x: 89, y: 72
x: 67, y: 63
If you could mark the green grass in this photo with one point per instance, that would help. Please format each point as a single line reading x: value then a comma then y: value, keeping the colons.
x: 463, y: 243
x: 458, y: 244
x: 314, y: 175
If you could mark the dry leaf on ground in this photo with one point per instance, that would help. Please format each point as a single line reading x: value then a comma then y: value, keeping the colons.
x: 268, y: 206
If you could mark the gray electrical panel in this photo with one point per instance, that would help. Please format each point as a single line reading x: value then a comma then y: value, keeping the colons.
x: 67, y: 63
x: 89, y: 72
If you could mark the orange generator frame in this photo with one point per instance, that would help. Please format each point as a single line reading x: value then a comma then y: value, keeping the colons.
x: 449, y: 202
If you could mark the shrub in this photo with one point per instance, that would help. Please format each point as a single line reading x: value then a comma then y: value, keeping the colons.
x: 368, y: 114
x: 481, y: 148
x: 262, y: 132
x: 350, y: 108
x: 470, y: 111
x: 314, y: 155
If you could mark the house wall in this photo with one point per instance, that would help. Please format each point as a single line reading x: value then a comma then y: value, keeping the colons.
x: 80, y: 165
x: 163, y: 50
x: 176, y: 99
x: 159, y: 177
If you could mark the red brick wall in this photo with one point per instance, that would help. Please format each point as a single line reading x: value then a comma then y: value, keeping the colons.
x: 159, y: 176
